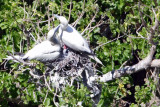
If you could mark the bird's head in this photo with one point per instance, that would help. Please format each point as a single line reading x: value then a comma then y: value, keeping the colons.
x: 52, y: 33
x: 63, y: 21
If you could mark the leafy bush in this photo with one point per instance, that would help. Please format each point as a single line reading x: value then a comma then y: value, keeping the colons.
x: 112, y: 34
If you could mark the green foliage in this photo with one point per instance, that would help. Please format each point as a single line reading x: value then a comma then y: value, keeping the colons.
x: 144, y: 93
x: 123, y: 20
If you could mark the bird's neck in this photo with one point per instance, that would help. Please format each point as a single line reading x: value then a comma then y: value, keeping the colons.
x: 64, y: 26
x: 54, y: 40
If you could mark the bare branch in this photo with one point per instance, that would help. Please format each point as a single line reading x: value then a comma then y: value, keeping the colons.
x: 48, y: 18
x: 156, y: 20
x: 61, y: 7
x: 24, y: 8
x: 21, y: 61
x: 143, y: 21
x: 46, y: 83
x: 137, y: 31
x: 155, y: 63
x: 97, y: 25
x: 34, y: 7
x: 82, y: 13
x: 153, y: 28
x: 143, y: 64
x: 45, y: 97
x: 93, y: 18
x: 75, y: 23
x: 70, y: 10
x: 34, y: 75
x: 108, y: 42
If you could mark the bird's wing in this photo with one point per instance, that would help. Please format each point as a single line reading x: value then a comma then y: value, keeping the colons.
x: 39, y: 50
x: 11, y: 58
x: 96, y: 59
x: 73, y: 39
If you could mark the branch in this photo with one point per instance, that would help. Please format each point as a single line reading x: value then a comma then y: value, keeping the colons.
x: 97, y: 25
x: 153, y: 28
x: 82, y: 13
x: 46, y: 83
x: 143, y: 64
x: 34, y: 75
x: 140, y: 12
x: 70, y: 9
x: 61, y: 7
x: 155, y: 63
x: 21, y: 61
x: 137, y: 31
x: 107, y: 42
x: 93, y: 18
x: 48, y: 18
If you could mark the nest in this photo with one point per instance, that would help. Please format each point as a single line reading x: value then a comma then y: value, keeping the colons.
x: 69, y: 68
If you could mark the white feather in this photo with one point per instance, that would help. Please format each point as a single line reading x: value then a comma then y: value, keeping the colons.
x: 47, y: 50
x: 73, y: 39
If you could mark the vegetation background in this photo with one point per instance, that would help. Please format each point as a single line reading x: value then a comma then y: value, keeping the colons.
x: 116, y: 30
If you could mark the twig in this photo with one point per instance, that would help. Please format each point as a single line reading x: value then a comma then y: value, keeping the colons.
x: 124, y: 64
x: 75, y: 23
x: 61, y: 7
x: 156, y: 20
x: 24, y: 9
x: 57, y: 104
x: 25, y: 30
x: 82, y: 13
x: 93, y: 18
x: 70, y: 10
x: 137, y: 31
x: 33, y: 75
x: 32, y: 37
x: 108, y: 42
x: 47, y: 83
x: 21, y: 61
x: 97, y: 25
x: 34, y: 7
x: 136, y: 37
x: 143, y: 21
x: 21, y: 45
x: 153, y: 28
x: 45, y: 97
x: 37, y: 34
x: 48, y: 18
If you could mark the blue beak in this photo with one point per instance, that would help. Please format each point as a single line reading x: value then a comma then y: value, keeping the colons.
x: 57, y: 16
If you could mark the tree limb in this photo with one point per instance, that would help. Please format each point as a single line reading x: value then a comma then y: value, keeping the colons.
x: 143, y: 64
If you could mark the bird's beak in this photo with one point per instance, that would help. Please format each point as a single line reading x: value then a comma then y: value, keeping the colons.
x: 56, y: 29
x: 55, y: 15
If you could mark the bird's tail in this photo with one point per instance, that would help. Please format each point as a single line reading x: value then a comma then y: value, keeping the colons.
x: 96, y: 59
x: 15, y: 58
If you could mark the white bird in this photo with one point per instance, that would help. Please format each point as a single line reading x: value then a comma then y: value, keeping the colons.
x: 73, y: 39
x: 45, y: 51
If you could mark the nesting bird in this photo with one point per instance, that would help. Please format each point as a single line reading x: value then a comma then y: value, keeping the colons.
x: 48, y: 50
x: 73, y: 39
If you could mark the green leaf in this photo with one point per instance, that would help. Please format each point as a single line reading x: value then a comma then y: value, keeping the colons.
x: 133, y: 105
x: 100, y: 103
x: 47, y: 102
